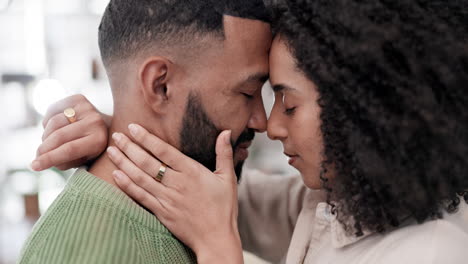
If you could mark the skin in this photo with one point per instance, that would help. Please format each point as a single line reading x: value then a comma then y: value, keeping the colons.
x: 298, y: 130
x: 161, y: 86
x: 295, y: 121
x: 228, y: 76
x: 295, y: 117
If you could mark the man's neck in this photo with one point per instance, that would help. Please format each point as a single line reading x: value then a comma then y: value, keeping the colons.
x: 103, y: 167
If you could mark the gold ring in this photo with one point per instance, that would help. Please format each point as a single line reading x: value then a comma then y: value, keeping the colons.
x: 70, y: 114
x: 161, y: 172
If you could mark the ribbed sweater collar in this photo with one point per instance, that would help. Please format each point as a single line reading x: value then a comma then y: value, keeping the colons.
x: 85, y: 182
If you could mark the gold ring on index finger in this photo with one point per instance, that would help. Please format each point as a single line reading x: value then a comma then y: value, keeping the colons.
x: 161, y: 172
x: 70, y: 114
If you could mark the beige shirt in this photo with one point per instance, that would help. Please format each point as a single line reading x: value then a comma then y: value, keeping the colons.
x: 282, y: 221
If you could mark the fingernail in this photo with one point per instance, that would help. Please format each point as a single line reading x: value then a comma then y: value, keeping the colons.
x: 111, y: 151
x: 228, y: 137
x: 117, y: 175
x: 36, y: 165
x: 133, y: 129
x: 39, y: 151
x: 117, y: 137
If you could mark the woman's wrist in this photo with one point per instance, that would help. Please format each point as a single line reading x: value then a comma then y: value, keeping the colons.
x: 107, y: 119
x: 227, y: 251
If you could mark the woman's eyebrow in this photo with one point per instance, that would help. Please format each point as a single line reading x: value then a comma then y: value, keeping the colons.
x: 281, y: 87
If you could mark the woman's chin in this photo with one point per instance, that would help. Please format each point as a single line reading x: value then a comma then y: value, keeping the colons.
x: 311, y: 180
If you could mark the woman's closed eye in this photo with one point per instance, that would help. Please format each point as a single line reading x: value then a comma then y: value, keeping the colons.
x: 287, y: 103
x: 290, y: 111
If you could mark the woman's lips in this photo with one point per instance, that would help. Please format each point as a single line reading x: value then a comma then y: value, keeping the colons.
x: 292, y: 158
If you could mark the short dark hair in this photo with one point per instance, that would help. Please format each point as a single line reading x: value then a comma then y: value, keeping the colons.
x: 129, y: 26
x: 392, y: 78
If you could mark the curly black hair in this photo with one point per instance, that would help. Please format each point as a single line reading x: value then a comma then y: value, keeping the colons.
x: 393, y: 84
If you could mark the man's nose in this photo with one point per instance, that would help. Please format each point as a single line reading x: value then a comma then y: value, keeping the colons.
x: 258, y: 119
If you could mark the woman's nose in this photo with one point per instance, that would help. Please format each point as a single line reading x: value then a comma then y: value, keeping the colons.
x: 276, y: 128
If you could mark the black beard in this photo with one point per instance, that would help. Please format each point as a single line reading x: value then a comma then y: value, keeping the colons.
x: 198, y: 136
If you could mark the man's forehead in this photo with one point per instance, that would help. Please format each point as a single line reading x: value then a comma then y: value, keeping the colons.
x: 249, y: 33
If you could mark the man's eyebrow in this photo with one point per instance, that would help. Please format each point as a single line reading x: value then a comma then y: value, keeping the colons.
x: 281, y: 87
x: 258, y: 77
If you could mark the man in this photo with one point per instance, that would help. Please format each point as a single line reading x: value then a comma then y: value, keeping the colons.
x: 186, y: 70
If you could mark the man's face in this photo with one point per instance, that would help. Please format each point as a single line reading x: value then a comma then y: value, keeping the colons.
x: 199, y: 133
x: 226, y: 93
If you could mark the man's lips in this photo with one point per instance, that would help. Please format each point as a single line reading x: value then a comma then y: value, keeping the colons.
x: 245, y: 145
x: 242, y: 152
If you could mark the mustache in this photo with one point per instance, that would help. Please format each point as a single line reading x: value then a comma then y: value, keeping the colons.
x: 246, y: 136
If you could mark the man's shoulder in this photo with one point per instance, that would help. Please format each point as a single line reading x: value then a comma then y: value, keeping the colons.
x: 74, y: 225
x: 84, y: 226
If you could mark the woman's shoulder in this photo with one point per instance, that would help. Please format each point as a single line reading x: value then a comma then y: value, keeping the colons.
x: 436, y: 241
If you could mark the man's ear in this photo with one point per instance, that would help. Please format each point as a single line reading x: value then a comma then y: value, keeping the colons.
x: 154, y: 76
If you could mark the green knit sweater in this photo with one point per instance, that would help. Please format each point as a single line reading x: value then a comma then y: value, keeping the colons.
x: 95, y: 222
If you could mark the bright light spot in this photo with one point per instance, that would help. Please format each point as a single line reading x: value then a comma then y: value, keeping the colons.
x: 12, y: 101
x: 51, y: 185
x: 11, y: 207
x: 46, y: 93
x: 4, y: 4
x: 98, y: 6
x: 47, y: 197
x: 36, y: 59
x: 24, y: 182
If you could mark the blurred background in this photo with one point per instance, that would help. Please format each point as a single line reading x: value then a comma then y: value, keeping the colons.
x: 49, y: 50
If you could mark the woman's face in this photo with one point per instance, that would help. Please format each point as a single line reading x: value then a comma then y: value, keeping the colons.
x: 295, y: 118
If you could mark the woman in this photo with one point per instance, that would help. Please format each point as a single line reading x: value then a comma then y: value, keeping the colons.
x: 371, y: 107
